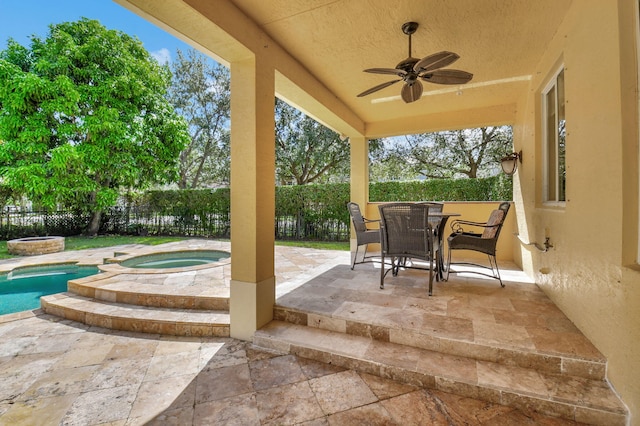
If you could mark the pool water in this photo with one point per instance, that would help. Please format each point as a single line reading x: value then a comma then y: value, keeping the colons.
x: 172, y: 263
x: 21, y: 289
x: 176, y: 259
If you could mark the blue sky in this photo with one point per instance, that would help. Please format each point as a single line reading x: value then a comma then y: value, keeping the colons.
x: 19, y: 19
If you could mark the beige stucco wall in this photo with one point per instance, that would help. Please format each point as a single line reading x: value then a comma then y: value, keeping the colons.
x: 595, y: 234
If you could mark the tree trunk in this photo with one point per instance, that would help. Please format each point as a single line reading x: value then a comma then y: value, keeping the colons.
x: 94, y: 224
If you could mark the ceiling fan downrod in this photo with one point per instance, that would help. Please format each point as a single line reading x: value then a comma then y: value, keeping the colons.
x: 409, y: 28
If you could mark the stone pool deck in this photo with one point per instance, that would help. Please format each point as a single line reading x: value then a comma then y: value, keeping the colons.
x: 320, y: 369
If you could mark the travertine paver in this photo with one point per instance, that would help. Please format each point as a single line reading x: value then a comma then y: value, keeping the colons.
x: 57, y: 371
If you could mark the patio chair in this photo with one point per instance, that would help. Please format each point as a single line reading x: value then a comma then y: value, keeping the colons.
x: 364, y: 235
x: 483, y: 242
x: 407, y: 234
x: 436, y: 221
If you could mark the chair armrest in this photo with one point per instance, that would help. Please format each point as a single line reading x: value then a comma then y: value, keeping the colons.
x: 367, y: 222
x: 457, y: 225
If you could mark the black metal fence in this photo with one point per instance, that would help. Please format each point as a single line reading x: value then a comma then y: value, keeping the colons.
x: 135, y: 220
x: 18, y: 224
x: 299, y: 228
x: 142, y: 221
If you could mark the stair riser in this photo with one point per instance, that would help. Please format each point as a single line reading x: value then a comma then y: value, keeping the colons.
x: 136, y: 325
x: 151, y: 300
x: 548, y: 363
x: 429, y: 381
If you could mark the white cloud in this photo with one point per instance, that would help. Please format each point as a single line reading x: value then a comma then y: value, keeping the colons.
x: 163, y: 56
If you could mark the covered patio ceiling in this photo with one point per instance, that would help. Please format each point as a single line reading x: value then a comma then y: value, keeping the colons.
x: 500, y: 42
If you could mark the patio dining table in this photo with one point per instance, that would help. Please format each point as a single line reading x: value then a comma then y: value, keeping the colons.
x: 438, y: 221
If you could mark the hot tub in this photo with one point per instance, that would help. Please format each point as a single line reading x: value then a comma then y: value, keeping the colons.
x: 35, y: 245
x: 178, y: 259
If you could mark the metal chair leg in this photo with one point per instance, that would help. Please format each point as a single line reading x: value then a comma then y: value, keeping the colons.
x: 430, y: 275
x: 494, y: 263
x: 382, y: 272
x: 355, y: 256
x: 448, y: 265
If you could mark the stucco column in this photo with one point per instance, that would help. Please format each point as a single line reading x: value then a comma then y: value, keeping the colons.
x: 359, y: 147
x: 252, y: 196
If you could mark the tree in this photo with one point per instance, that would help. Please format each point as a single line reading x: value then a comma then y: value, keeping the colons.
x: 200, y: 92
x: 387, y: 163
x: 307, y: 151
x: 470, y: 152
x: 83, y: 114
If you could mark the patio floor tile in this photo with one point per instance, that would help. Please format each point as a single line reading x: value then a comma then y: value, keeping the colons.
x: 57, y: 371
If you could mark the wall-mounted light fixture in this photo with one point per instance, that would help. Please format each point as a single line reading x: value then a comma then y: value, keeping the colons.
x: 510, y: 162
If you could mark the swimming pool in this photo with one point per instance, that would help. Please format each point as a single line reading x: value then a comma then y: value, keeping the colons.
x: 178, y: 259
x: 21, y: 289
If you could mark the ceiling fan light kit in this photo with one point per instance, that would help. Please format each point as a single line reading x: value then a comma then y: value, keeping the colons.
x: 412, y: 70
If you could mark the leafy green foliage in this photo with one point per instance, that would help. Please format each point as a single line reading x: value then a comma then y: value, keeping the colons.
x: 303, y: 212
x: 320, y: 210
x: 469, y: 153
x: 495, y: 188
x: 191, y: 209
x: 329, y: 201
x: 200, y: 92
x: 195, y: 200
x: 83, y: 116
x: 306, y: 151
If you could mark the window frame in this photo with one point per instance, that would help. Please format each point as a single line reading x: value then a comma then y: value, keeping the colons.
x: 552, y: 85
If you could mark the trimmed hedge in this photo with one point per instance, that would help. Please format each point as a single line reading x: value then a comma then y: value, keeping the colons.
x: 307, y: 212
x: 331, y: 199
x: 319, y: 211
x: 495, y: 188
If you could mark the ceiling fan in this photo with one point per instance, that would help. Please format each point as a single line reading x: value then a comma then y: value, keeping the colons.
x: 412, y: 70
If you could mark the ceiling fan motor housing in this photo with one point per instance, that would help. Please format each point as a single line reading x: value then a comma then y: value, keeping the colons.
x: 407, y: 64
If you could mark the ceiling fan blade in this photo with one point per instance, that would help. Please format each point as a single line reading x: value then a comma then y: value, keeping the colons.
x: 411, y: 92
x: 390, y: 71
x: 447, y: 77
x: 378, y: 87
x: 435, y: 61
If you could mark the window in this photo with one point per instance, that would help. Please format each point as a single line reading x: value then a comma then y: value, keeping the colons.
x: 554, y: 139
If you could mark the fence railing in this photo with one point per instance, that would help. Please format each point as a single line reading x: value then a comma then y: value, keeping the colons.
x: 134, y: 220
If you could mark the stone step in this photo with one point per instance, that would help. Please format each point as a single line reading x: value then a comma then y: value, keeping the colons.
x: 117, y: 316
x: 570, y: 397
x: 587, y: 365
x: 152, y: 295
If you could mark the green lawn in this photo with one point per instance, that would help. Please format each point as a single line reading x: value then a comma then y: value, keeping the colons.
x: 321, y: 245
x: 81, y: 243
